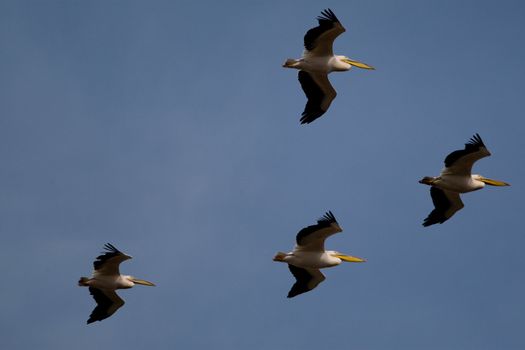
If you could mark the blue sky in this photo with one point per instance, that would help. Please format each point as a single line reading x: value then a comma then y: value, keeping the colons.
x: 169, y: 129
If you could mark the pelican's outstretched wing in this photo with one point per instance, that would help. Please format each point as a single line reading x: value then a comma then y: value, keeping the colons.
x: 318, y: 41
x: 108, y: 263
x: 107, y: 303
x: 319, y: 93
x: 306, y: 280
x: 460, y: 162
x: 446, y: 203
x: 312, y: 238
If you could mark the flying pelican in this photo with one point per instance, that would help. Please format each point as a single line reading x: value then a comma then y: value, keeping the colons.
x: 317, y: 62
x: 456, y: 178
x: 309, y: 255
x: 105, y: 280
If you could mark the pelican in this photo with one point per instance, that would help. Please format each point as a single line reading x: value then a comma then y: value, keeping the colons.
x: 456, y: 178
x: 105, y: 280
x: 317, y: 62
x: 309, y: 255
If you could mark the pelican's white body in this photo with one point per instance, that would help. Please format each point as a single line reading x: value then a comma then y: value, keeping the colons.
x: 312, y: 260
x: 458, y: 183
x: 320, y: 64
x: 110, y: 282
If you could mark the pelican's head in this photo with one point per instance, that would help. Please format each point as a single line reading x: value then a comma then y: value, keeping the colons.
x: 139, y: 281
x: 351, y: 63
x: 346, y: 258
x: 489, y: 181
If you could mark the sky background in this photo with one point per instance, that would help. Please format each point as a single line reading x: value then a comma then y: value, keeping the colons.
x: 169, y: 129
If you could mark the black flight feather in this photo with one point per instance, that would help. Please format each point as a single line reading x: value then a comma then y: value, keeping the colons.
x: 474, y: 145
x: 315, y: 97
x: 323, y: 222
x: 326, y: 22
x: 441, y: 204
x: 111, y: 252
x: 104, y: 303
x: 301, y: 285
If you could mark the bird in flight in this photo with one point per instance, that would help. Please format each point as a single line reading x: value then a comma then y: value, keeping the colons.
x: 456, y: 178
x: 309, y: 255
x: 317, y: 62
x: 106, y: 279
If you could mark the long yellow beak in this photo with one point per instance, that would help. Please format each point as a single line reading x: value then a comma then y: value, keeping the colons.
x: 357, y: 64
x: 143, y: 282
x: 349, y: 258
x: 494, y: 182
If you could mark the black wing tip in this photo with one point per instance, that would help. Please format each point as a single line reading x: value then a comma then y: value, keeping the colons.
x: 431, y: 221
x: 327, y: 15
x: 111, y: 248
x: 327, y: 20
x: 474, y: 144
x: 475, y: 141
x: 301, y: 280
x: 435, y: 217
x: 110, y: 251
x: 291, y: 295
x: 328, y: 217
x: 315, y: 96
x: 441, y: 204
x: 296, y: 290
x: 305, y: 121
x: 308, y: 117
x: 96, y: 318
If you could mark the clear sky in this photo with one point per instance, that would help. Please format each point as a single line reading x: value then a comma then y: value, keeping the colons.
x: 169, y: 129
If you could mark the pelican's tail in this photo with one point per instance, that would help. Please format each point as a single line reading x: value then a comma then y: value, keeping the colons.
x: 279, y: 256
x: 83, y: 282
x: 291, y: 63
x: 427, y: 180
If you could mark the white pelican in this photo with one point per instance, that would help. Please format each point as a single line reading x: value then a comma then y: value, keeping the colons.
x: 309, y: 255
x: 105, y: 280
x: 456, y: 178
x: 317, y: 62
